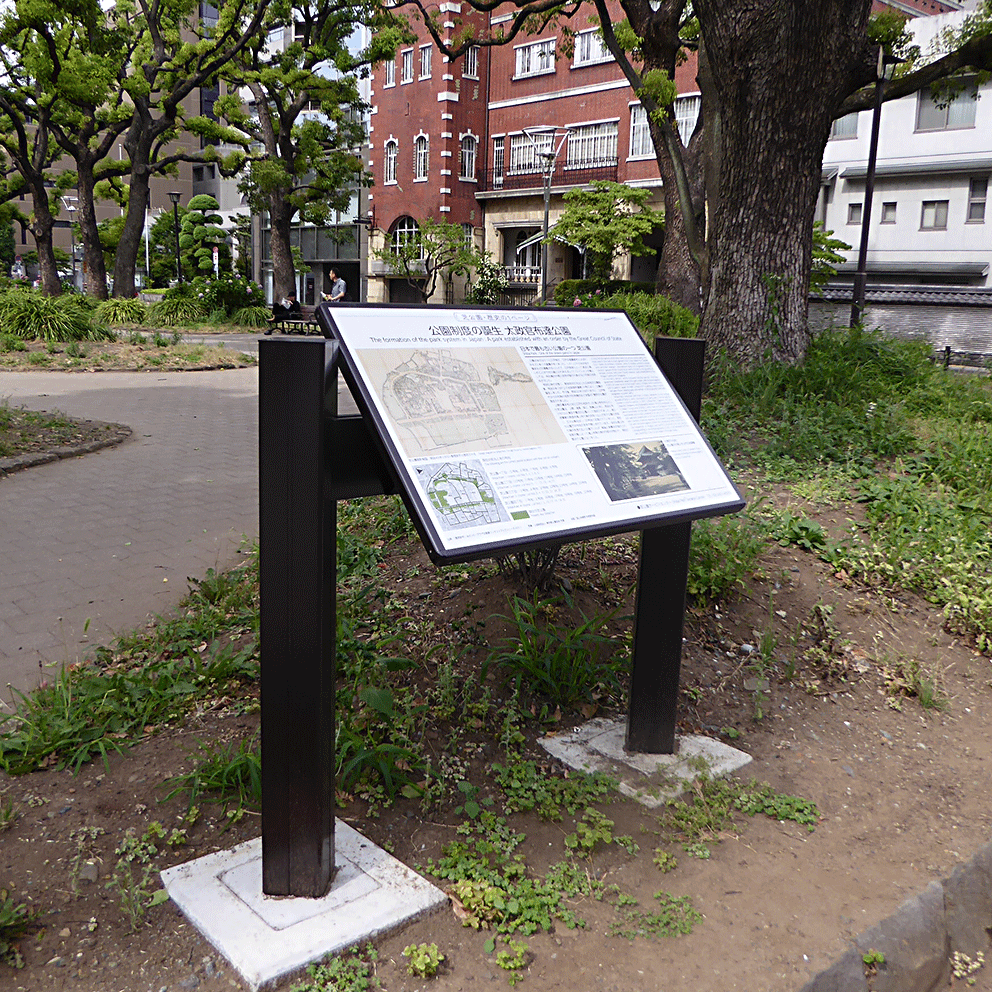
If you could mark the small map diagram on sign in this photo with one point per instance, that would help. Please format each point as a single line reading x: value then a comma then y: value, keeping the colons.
x: 460, y: 400
x: 461, y: 493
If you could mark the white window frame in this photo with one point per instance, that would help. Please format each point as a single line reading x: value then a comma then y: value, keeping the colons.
x: 686, y: 115
x: 389, y: 74
x: 421, y: 158
x: 592, y: 146
x: 468, y: 232
x: 425, y: 61
x: 534, y: 59
x: 978, y: 198
x: 406, y: 66
x: 641, y: 146
x: 524, y: 157
x: 470, y: 68
x: 844, y: 127
x: 405, y: 229
x: 499, y: 160
x: 468, y: 156
x: 590, y: 49
x: 390, y: 158
x: 933, y: 216
x: 956, y: 115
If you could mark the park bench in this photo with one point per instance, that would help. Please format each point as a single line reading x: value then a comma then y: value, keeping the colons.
x: 301, y: 323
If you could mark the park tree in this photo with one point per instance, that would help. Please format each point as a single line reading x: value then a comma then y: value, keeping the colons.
x: 32, y: 72
x: 607, y: 220
x: 772, y: 77
x: 436, y: 252
x: 306, y: 113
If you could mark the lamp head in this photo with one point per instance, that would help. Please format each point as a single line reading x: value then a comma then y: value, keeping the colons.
x: 175, y: 198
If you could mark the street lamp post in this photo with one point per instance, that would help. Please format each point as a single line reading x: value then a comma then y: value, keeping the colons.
x: 70, y: 207
x: 547, y: 142
x: 884, y: 70
x: 175, y: 217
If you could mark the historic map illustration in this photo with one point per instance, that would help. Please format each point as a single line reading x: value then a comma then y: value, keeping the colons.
x: 461, y: 493
x: 459, y: 400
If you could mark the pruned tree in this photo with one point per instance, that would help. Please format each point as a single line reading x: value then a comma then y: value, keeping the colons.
x: 306, y: 116
x: 607, y: 220
x: 436, y: 251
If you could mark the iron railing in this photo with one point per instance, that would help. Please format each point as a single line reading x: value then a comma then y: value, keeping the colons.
x: 563, y: 175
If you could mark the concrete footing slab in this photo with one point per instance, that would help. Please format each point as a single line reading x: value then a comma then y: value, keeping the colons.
x: 266, y: 937
x: 651, y: 779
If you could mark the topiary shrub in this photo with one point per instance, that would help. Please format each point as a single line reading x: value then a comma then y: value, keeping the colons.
x: 120, y: 311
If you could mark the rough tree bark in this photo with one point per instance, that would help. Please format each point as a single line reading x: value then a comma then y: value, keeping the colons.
x: 768, y: 159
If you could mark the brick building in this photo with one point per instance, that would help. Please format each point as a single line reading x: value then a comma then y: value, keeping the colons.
x: 448, y: 141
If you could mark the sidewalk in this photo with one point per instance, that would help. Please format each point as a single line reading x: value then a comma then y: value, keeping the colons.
x: 111, y: 537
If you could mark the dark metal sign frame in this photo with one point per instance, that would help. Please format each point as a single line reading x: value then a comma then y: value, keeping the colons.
x: 346, y: 323
x: 309, y: 458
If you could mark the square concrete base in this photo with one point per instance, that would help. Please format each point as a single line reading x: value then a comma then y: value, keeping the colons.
x: 651, y: 779
x: 267, y: 937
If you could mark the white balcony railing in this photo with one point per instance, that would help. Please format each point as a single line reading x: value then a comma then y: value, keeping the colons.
x: 523, y: 273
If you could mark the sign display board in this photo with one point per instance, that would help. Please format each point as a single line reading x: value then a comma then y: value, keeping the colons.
x: 516, y: 427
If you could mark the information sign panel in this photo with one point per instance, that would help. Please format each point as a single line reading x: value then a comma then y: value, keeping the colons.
x: 516, y: 427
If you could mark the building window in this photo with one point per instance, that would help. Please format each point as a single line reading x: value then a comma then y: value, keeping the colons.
x: 934, y: 215
x: 854, y: 213
x: 590, y: 48
x: 888, y: 213
x: 498, y: 147
x: 389, y: 74
x: 421, y: 157
x: 466, y: 167
x: 391, y: 151
x: 404, y: 231
x: 468, y: 232
x: 686, y: 115
x: 978, y: 194
x: 845, y: 127
x: 425, y: 61
x: 936, y: 115
x: 406, y: 66
x: 536, y: 58
x: 525, y: 154
x: 471, y: 67
x: 592, y: 145
x: 641, y: 145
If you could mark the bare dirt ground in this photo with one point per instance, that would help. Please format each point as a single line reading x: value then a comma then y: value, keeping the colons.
x: 902, y: 791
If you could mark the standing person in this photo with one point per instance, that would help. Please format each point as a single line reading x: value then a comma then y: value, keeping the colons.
x: 338, y: 287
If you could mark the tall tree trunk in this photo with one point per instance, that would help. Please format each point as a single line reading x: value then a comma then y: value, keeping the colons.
x: 94, y: 266
x: 767, y: 160
x: 280, y: 231
x: 42, y: 225
x: 131, y: 232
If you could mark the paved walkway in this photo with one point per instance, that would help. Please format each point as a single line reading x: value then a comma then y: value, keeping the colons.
x: 111, y: 537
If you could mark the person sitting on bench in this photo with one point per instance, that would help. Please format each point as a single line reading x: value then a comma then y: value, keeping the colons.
x: 287, y: 307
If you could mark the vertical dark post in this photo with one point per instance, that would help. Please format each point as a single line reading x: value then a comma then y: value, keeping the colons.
x: 297, y: 521
x: 663, y: 572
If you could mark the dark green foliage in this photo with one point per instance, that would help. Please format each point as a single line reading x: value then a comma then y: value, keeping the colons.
x: 117, y: 310
x: 33, y: 317
x: 177, y: 311
x: 565, y: 663
x: 724, y: 552
x: 568, y: 289
x: 526, y: 789
x: 251, y: 316
x: 228, y: 774
x: 228, y: 293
